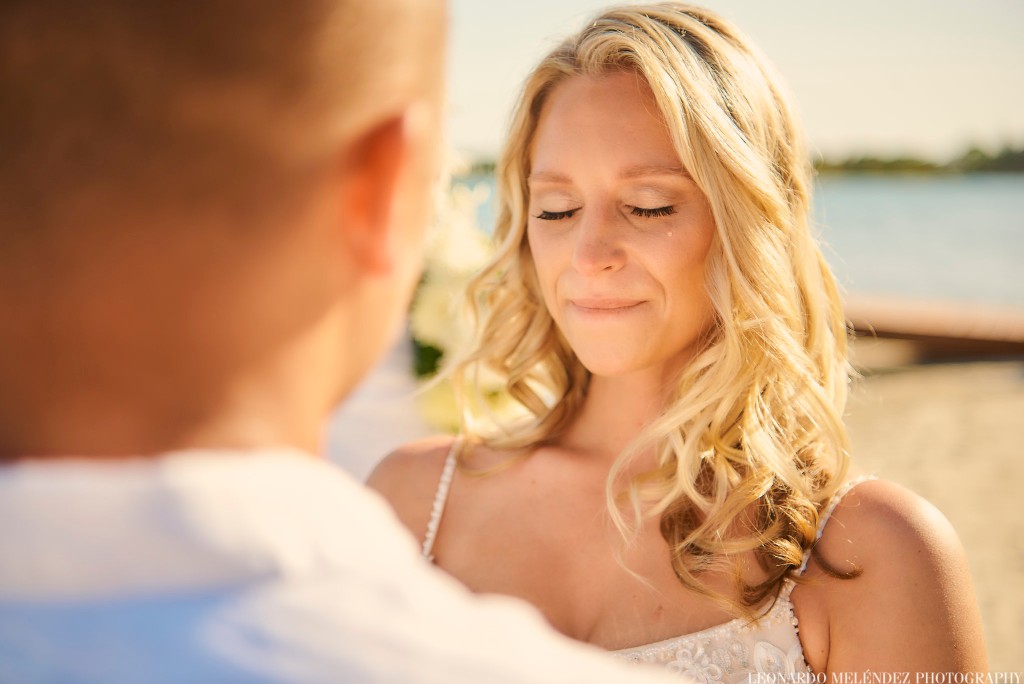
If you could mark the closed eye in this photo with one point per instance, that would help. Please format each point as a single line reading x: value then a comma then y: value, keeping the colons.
x: 556, y: 215
x: 657, y: 212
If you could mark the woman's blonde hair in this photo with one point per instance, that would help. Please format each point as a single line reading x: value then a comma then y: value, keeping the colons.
x: 754, y: 444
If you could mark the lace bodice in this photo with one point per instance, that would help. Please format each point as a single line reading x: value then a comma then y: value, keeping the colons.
x: 730, y: 652
x: 727, y: 653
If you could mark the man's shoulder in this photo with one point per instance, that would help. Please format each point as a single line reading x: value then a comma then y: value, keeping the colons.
x: 288, y: 574
x: 418, y: 625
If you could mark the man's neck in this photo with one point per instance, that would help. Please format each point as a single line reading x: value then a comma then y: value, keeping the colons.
x: 150, y: 412
x: 113, y: 429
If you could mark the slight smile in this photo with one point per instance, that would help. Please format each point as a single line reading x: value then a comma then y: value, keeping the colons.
x: 605, y: 306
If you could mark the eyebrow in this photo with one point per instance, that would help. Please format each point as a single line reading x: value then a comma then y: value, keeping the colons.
x: 642, y: 171
x: 628, y: 174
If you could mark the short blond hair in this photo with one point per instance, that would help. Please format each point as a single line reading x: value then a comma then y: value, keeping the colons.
x: 757, y: 418
x: 174, y: 107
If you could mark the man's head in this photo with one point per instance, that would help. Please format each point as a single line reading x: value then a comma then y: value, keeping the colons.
x: 200, y: 201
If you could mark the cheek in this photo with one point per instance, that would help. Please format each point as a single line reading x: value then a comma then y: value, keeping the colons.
x: 690, y: 264
x: 543, y: 257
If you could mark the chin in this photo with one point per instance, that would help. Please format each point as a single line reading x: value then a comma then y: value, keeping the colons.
x: 612, y: 363
x: 609, y: 367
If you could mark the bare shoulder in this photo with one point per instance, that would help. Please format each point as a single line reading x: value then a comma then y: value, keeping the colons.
x: 912, y: 603
x: 408, y: 479
x: 880, y: 524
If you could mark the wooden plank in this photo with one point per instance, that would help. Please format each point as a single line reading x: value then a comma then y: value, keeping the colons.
x: 942, y: 330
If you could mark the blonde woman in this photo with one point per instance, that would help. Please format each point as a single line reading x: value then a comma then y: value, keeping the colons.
x: 678, y: 490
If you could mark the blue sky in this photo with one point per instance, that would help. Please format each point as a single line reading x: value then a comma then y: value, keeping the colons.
x: 925, y: 77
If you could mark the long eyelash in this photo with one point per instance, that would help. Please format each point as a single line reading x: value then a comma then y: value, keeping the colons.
x: 556, y: 215
x: 653, y: 213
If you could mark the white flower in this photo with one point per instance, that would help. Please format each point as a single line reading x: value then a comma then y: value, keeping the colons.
x: 435, y: 318
x: 456, y: 249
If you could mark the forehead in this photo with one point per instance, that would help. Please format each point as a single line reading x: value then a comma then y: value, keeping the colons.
x: 607, y: 119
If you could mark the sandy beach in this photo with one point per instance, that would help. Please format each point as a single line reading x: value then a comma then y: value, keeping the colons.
x: 952, y: 432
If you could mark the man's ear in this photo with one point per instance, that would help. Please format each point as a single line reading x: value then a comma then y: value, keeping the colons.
x: 374, y: 164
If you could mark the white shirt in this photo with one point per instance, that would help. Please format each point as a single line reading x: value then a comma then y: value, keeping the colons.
x: 260, y: 567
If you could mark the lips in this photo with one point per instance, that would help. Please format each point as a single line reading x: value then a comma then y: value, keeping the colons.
x: 604, y: 305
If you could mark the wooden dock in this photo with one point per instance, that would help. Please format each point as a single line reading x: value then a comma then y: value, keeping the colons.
x: 940, y: 330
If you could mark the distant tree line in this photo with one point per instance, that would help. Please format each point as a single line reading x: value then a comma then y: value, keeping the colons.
x: 974, y: 160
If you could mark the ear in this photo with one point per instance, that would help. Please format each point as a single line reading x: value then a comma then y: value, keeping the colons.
x: 373, y: 166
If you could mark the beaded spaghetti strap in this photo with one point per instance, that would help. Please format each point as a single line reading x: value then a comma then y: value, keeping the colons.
x: 440, y: 499
x: 843, y: 491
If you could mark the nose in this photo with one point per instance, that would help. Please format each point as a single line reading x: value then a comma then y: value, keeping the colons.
x: 598, y: 246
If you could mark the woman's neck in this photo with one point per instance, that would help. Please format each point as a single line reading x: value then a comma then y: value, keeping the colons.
x: 616, y: 410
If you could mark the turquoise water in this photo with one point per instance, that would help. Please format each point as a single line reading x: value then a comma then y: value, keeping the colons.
x: 955, y: 238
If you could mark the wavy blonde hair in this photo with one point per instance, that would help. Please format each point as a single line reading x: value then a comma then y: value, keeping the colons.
x: 754, y: 445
